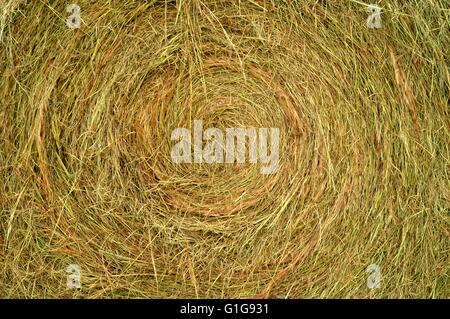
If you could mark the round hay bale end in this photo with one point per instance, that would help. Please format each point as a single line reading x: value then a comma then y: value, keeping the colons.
x: 349, y: 197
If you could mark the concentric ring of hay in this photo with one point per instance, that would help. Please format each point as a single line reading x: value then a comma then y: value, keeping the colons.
x: 89, y: 115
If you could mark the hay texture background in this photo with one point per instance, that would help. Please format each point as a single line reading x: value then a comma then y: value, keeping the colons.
x: 85, y: 170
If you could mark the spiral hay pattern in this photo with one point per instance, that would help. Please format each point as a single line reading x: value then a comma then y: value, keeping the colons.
x: 87, y: 178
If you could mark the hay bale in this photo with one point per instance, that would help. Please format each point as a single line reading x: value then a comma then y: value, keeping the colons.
x: 87, y: 178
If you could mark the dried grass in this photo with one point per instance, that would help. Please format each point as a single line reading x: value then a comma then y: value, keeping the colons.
x: 86, y: 175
